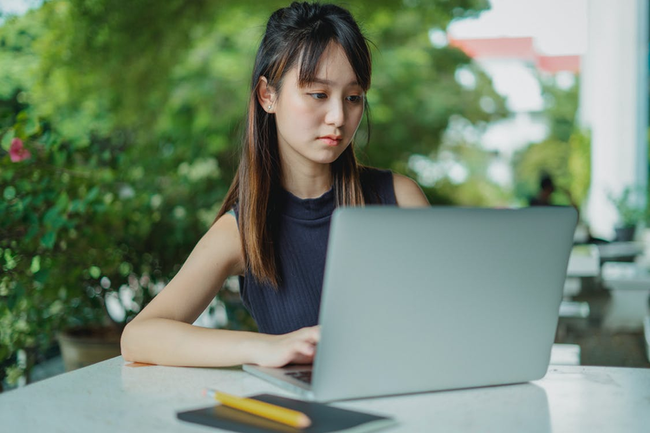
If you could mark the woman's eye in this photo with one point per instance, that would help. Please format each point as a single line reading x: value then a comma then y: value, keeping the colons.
x: 355, y: 98
x: 318, y: 95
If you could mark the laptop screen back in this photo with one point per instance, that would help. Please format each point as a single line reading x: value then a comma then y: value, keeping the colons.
x: 439, y: 298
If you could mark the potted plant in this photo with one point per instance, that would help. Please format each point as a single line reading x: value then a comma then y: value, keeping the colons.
x: 631, y: 211
x: 56, y: 226
x: 81, y: 249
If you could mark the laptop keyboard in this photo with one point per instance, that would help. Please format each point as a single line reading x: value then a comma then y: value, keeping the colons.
x: 303, y: 376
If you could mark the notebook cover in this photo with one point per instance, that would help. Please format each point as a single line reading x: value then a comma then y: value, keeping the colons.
x: 324, y: 418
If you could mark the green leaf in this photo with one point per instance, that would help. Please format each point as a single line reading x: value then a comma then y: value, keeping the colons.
x: 95, y: 272
x: 92, y: 194
x: 4, y: 353
x: 41, y: 276
x: 32, y: 126
x: 10, y: 261
x: 6, y: 139
x: 62, y: 201
x: 51, y: 217
x: 33, y: 231
x: 48, y: 240
x: 36, y: 264
x: 19, y: 291
x: 77, y: 206
x: 14, y: 373
x: 9, y: 193
x: 125, y: 268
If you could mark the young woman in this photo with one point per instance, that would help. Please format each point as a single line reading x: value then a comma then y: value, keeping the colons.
x: 311, y: 74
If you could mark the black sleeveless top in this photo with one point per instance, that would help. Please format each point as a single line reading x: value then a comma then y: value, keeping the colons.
x: 302, y: 244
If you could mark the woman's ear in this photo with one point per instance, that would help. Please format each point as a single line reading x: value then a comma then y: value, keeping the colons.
x: 266, y: 95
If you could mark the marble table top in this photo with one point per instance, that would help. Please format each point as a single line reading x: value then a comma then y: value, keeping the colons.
x: 112, y: 396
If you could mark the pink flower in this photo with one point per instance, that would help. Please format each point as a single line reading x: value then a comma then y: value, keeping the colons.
x: 17, y: 152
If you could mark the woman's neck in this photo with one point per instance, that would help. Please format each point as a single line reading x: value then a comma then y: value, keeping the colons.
x: 307, y: 183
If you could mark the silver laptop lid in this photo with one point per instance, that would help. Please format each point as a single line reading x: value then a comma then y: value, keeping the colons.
x: 439, y: 298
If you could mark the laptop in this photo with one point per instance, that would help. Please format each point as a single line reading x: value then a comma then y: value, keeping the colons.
x: 438, y: 298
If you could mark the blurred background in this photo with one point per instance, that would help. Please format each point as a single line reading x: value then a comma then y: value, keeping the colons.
x: 120, y: 126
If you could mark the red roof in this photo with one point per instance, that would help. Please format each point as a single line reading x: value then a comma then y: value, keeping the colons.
x: 516, y: 48
x: 520, y: 48
x: 555, y: 64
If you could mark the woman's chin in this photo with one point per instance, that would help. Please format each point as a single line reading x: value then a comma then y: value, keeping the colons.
x: 327, y: 156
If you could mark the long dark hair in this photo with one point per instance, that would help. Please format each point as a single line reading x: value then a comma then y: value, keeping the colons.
x: 300, y: 32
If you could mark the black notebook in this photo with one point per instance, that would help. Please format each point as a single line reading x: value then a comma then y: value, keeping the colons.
x: 324, y: 418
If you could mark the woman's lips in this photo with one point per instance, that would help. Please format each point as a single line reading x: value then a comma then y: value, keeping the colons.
x: 330, y: 141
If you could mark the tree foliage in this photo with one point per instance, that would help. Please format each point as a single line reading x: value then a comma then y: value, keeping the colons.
x: 565, y: 154
x: 132, y: 113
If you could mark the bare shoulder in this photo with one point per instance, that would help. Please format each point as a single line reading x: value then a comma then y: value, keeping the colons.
x: 408, y: 193
x: 224, y: 241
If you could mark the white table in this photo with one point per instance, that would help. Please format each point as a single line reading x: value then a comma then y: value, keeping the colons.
x: 584, y: 262
x: 112, y: 397
x: 629, y: 285
x: 614, y: 251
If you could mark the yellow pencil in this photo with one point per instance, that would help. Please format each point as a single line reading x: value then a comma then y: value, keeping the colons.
x: 280, y: 414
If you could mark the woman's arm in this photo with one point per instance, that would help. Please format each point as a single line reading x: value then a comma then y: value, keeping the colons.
x: 163, y: 332
x: 408, y: 193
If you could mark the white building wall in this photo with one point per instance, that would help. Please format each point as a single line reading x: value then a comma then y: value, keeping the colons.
x: 614, y: 104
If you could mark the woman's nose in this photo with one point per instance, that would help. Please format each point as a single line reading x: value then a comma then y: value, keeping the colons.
x: 335, y: 114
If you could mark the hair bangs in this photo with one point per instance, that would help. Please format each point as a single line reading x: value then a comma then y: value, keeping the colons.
x: 312, y: 49
x: 324, y: 34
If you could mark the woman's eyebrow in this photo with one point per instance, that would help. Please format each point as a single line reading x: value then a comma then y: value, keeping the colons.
x: 330, y: 82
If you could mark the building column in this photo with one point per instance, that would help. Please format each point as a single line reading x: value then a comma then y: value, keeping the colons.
x: 614, y: 105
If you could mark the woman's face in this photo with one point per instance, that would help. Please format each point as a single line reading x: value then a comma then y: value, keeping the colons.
x: 316, y: 123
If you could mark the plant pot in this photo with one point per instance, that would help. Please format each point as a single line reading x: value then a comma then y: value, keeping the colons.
x: 83, y: 346
x: 624, y: 234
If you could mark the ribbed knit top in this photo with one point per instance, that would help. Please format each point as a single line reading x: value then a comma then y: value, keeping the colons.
x: 302, y: 245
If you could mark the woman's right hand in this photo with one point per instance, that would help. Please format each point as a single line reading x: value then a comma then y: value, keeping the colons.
x: 298, y: 347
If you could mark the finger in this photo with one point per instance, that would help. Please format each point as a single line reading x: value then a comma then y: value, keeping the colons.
x: 313, y: 334
x: 307, y: 333
x: 306, y: 349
